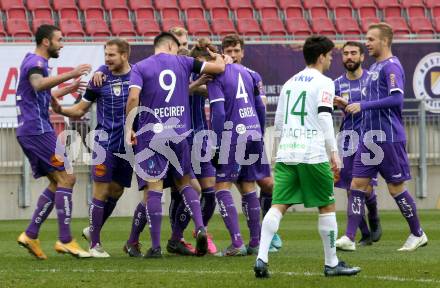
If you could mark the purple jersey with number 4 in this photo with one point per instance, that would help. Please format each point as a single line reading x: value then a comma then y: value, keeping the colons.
x: 236, y: 89
x: 163, y: 80
x: 385, y: 78
x: 32, y: 106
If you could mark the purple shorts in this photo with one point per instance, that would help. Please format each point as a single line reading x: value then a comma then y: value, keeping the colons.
x: 202, y: 169
x: 394, y: 167
x: 40, y: 150
x: 159, y: 167
x: 113, y: 169
x: 346, y: 174
x: 234, y: 171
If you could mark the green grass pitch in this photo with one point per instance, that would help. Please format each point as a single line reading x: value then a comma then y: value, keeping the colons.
x: 298, y: 264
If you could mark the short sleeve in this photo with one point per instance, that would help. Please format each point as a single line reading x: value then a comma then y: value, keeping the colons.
x: 36, y: 66
x: 91, y: 95
x: 215, y: 91
x: 326, y: 94
x: 136, y: 79
x: 259, y: 87
x: 337, y: 87
x: 394, y: 78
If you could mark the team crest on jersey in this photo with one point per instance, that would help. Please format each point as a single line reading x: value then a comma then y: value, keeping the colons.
x: 374, y: 75
x: 117, y: 89
x: 426, y: 81
x: 345, y: 96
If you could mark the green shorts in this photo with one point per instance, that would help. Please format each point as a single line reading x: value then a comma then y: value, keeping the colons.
x: 308, y: 184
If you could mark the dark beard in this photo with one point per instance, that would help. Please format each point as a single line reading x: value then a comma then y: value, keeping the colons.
x: 352, y: 68
x: 52, y: 52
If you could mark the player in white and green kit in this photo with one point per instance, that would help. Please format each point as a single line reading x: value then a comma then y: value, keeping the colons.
x: 303, y: 174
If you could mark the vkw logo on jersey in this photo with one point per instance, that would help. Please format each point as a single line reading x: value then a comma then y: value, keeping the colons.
x: 117, y: 88
x: 426, y: 81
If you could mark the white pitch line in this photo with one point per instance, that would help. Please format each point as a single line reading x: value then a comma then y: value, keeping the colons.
x: 161, y: 271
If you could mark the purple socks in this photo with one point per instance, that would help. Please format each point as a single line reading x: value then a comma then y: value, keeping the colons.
x: 96, y: 217
x: 138, y: 224
x: 153, y: 214
x: 407, y: 207
x: 230, y: 216
x: 355, y: 212
x: 207, y: 203
x: 44, y: 207
x: 251, y: 210
x: 63, y: 205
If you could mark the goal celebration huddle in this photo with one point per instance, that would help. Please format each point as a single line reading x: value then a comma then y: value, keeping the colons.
x: 152, y: 123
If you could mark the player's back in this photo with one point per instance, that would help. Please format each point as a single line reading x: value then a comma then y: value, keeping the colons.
x: 164, y: 79
x: 235, y: 87
x: 302, y: 139
x: 32, y: 105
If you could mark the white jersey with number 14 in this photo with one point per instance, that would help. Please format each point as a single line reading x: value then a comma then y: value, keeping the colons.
x: 296, y: 120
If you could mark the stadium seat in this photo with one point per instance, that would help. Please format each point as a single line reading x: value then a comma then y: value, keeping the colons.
x: 273, y: 27
x: 365, y: 8
x: 414, y: 8
x: 40, y: 21
x: 298, y: 27
x: 323, y: 26
x: 347, y: 26
x: 222, y: 27
x: 421, y: 25
x: 167, y: 24
x: 243, y: 9
x: 219, y: 13
x: 198, y: 27
x: 341, y: 8
x: 92, y: 9
x: 365, y: 22
x: 66, y: 9
x: 40, y: 8
x: 168, y: 9
x: 317, y: 8
x: 97, y: 28
x: 18, y: 28
x: 14, y: 9
x: 400, y: 28
x: 218, y: 9
x: 436, y: 24
x: 291, y: 8
x: 117, y: 8
x: 122, y: 27
x: 71, y: 28
x: 2, y: 32
x: 143, y: 9
x: 248, y: 27
x: 390, y: 8
x: 147, y: 27
x: 186, y: 4
x: 267, y: 8
x: 434, y: 5
x: 195, y: 13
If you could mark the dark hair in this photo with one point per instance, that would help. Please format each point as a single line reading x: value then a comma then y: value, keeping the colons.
x: 232, y: 40
x: 200, y: 49
x: 45, y: 31
x: 315, y: 46
x: 355, y: 44
x: 165, y: 36
x: 122, y: 44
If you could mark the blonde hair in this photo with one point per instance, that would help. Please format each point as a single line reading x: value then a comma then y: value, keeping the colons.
x: 386, y: 31
x: 179, y: 31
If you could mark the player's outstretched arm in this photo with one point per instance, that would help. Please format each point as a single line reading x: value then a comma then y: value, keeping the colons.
x: 132, y: 104
x: 40, y: 83
x: 76, y: 86
x: 77, y: 110
x: 216, y: 67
